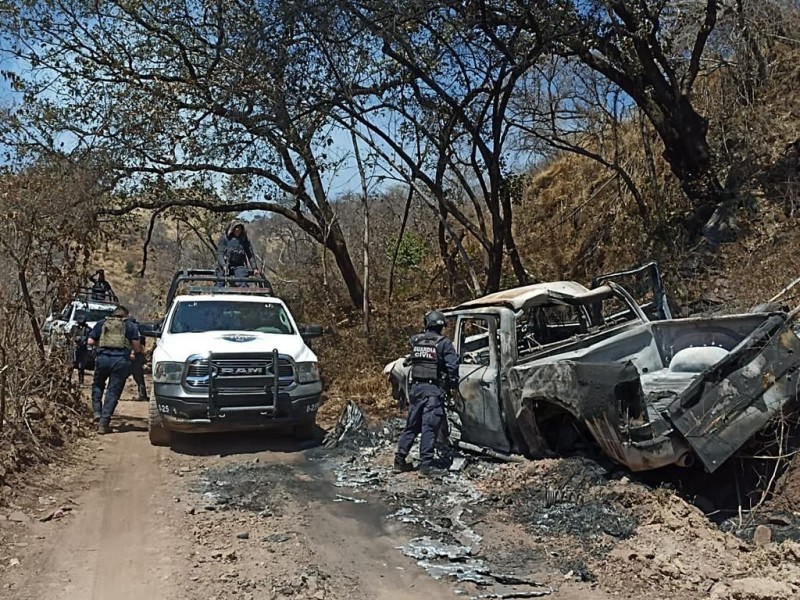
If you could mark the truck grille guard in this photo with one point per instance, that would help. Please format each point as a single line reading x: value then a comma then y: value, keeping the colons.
x: 237, y: 383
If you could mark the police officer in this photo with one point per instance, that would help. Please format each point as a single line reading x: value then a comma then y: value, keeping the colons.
x: 137, y: 368
x: 101, y: 288
x: 78, y: 337
x: 117, y: 342
x: 234, y: 251
x: 434, y: 371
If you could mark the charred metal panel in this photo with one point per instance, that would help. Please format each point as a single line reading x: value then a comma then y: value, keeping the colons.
x: 478, y: 399
x: 586, y: 391
x: 478, y: 406
x: 607, y: 398
x: 736, y: 398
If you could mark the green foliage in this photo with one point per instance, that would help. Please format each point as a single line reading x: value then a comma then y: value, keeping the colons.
x: 410, y: 253
x: 129, y: 267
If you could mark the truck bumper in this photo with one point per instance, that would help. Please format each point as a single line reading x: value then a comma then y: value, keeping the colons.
x: 194, y: 413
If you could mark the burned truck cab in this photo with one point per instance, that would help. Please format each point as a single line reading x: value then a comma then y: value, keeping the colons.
x: 540, y: 362
x: 496, y: 334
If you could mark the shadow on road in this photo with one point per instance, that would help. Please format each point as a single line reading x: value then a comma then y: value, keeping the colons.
x: 243, y: 442
x: 127, y: 423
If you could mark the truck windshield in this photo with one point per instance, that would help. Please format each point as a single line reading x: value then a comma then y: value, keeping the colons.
x: 94, y: 314
x: 227, y: 315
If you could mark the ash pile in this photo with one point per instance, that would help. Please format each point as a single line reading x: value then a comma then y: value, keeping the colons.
x: 439, y: 513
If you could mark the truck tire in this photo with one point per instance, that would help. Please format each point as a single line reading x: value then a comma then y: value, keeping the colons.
x: 305, y: 431
x: 159, y: 436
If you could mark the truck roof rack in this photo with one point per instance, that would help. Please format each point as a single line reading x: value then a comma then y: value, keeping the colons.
x: 85, y: 294
x: 252, y: 284
x: 199, y: 291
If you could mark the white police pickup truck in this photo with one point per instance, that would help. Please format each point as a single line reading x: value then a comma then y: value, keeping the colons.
x: 231, y: 358
x: 57, y: 326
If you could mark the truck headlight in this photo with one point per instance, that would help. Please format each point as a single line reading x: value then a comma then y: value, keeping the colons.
x: 307, y: 372
x: 168, y: 372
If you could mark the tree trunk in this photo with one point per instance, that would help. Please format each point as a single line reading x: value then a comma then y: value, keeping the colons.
x: 365, y: 202
x: 29, y: 308
x: 366, y: 267
x: 447, y: 260
x: 508, y: 237
x: 335, y: 242
x: 689, y: 156
x: 494, y: 268
x: 3, y: 364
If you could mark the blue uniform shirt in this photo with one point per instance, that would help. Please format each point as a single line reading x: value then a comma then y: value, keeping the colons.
x: 131, y: 332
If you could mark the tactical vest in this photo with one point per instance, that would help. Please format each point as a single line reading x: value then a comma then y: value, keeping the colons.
x: 425, y: 357
x: 81, y: 334
x: 113, y: 334
x: 235, y: 253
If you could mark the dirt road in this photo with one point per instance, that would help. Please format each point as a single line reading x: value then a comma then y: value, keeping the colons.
x: 133, y: 529
x: 259, y: 516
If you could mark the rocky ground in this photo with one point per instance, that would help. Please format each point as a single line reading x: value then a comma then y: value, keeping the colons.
x: 260, y: 516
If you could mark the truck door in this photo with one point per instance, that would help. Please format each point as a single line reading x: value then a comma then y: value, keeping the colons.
x: 478, y: 400
x: 645, y: 285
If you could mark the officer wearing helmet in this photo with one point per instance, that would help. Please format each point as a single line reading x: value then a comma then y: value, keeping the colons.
x: 434, y: 371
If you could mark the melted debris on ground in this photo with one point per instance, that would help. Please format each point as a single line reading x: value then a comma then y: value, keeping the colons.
x: 506, y: 530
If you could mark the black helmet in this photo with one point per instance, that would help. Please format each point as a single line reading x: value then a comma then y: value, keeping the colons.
x: 434, y: 319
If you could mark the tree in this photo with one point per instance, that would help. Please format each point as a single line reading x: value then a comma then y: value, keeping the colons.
x: 653, y: 51
x: 436, y: 105
x: 225, y: 92
x: 564, y: 107
x: 45, y: 234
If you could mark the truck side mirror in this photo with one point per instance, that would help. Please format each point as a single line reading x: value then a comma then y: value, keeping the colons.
x: 151, y: 330
x: 310, y: 331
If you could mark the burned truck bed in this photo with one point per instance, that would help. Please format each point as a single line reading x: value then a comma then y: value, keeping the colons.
x: 664, y: 392
x: 650, y: 393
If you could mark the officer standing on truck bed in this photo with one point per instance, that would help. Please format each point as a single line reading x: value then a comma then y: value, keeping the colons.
x: 234, y: 252
x: 434, y: 371
x: 101, y: 288
x: 117, y: 342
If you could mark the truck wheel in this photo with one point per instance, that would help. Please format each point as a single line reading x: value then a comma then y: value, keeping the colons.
x: 155, y: 429
x: 305, y: 431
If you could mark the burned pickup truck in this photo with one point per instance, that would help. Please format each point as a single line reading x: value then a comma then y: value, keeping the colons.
x: 542, y: 361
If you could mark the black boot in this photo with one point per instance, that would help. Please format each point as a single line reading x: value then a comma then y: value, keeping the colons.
x: 143, y: 393
x: 401, y: 465
x: 430, y: 471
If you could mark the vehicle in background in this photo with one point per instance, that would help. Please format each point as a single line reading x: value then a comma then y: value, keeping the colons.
x: 57, y: 325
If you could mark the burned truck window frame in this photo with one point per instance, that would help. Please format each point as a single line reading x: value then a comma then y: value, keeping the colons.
x: 474, y: 347
x: 546, y: 324
x: 611, y: 311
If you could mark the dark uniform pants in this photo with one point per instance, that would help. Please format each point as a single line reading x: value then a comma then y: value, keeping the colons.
x: 239, y: 271
x: 425, y: 416
x: 137, y: 372
x: 113, y: 369
x: 80, y: 356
